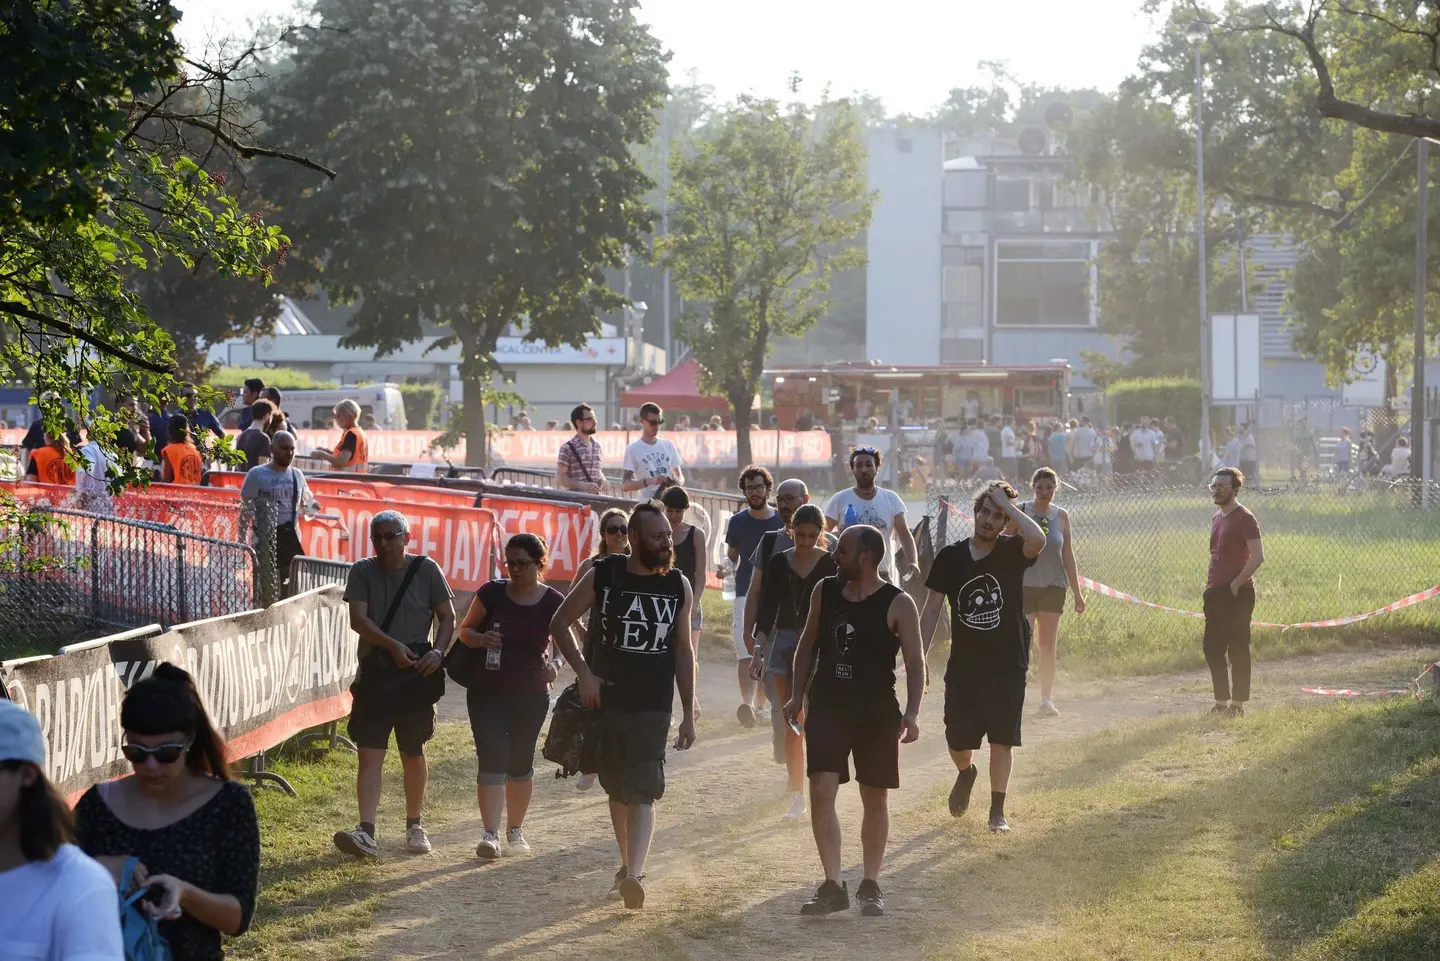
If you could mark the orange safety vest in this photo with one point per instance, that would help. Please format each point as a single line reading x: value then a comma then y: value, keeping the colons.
x: 50, y: 466
x: 185, y: 463
x: 362, y: 450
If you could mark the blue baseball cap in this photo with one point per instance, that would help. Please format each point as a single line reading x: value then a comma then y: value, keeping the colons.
x: 20, y: 736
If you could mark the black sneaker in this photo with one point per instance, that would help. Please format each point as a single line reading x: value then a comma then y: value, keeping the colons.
x: 829, y: 898
x: 960, y: 793
x: 872, y: 901
x: 1222, y: 710
x: 1237, y: 710
x: 633, y: 893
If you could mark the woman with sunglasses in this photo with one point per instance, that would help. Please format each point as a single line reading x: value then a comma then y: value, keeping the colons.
x: 192, y: 829
x: 614, y: 539
x: 55, y: 903
x: 509, y: 690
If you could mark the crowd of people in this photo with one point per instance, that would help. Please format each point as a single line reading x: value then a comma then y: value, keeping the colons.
x: 1000, y: 448
x: 825, y: 611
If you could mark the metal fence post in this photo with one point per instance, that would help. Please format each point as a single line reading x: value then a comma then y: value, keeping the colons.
x: 94, y: 572
x: 181, y: 605
x: 942, y: 524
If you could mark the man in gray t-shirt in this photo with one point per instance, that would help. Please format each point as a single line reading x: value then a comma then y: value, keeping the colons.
x: 271, y: 499
x: 403, y: 644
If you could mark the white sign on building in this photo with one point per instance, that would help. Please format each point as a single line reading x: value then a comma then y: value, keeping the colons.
x: 1234, y: 358
x: 1365, y: 383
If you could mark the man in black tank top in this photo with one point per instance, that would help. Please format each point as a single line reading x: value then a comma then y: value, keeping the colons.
x: 857, y: 624
x: 643, y: 653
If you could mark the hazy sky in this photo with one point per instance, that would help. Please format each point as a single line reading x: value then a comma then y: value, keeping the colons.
x: 909, y: 52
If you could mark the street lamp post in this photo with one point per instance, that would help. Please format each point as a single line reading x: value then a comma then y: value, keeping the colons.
x: 1196, y: 34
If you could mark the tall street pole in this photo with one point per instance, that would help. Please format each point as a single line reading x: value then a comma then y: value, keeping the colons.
x: 665, y: 226
x: 1418, y: 425
x: 1201, y: 253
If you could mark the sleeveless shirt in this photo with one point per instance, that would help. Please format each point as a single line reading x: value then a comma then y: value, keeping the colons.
x: 634, y: 650
x: 855, y: 651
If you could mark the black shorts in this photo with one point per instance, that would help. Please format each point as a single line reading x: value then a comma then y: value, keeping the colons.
x: 506, y: 726
x: 1051, y: 600
x: 872, y: 735
x: 372, y: 718
x: 632, y: 755
x: 984, y: 705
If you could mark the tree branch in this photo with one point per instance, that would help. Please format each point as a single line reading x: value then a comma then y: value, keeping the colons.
x: 1288, y: 203
x: 243, y: 150
x: 70, y: 330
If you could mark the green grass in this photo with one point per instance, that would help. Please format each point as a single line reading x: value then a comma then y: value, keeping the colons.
x: 1301, y: 831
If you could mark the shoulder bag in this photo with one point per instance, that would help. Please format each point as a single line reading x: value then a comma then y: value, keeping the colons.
x: 378, y: 673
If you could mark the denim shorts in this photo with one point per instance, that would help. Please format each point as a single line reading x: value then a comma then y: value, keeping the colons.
x: 780, y: 653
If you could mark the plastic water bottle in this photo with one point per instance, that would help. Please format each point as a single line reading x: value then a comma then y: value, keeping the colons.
x: 492, y: 654
x: 727, y: 588
x: 851, y: 518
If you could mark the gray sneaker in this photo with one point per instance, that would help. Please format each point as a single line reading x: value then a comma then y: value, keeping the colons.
x: 1048, y: 709
x: 356, y: 843
x: 489, y: 847
x: 515, y: 841
x: 416, y: 840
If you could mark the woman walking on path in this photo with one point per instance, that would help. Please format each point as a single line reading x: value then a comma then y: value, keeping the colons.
x: 509, y: 688
x: 789, y: 579
x: 1045, y: 582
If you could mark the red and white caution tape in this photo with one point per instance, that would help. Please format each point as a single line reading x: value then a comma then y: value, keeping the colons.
x: 1413, y: 689
x: 1107, y: 591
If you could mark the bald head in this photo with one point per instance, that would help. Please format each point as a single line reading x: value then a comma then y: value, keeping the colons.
x: 789, y: 497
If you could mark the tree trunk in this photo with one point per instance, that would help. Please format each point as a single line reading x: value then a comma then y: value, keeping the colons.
x: 741, y: 413
x: 472, y: 423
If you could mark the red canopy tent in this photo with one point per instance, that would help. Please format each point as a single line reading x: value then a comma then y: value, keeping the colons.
x: 677, y: 390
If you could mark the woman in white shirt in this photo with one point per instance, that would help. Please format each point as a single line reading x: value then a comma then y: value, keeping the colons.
x: 1399, y: 464
x: 56, y: 904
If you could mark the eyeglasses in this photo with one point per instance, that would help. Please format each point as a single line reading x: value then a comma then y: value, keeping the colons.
x: 162, y: 753
x: 655, y: 423
x: 1219, y: 487
x: 613, y: 529
x: 756, y: 488
x: 520, y: 563
x: 385, y: 537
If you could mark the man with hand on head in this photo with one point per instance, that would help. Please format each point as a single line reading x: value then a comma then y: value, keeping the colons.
x: 855, y: 626
x: 644, y: 653
x: 395, y: 599
x: 983, y: 578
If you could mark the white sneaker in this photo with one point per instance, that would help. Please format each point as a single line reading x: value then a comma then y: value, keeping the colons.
x: 1048, y: 709
x: 515, y: 841
x: 797, y: 808
x: 489, y: 846
x: 356, y: 843
x: 762, y: 715
x: 416, y: 840
x: 585, y: 782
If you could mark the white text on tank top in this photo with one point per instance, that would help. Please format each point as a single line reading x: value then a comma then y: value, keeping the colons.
x: 644, y: 620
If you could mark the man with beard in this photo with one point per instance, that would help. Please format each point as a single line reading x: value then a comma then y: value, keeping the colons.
x: 742, y: 536
x: 1236, y: 553
x: 867, y: 503
x: 578, y: 465
x: 282, y: 489
x: 643, y: 654
x: 856, y: 625
x: 983, y: 577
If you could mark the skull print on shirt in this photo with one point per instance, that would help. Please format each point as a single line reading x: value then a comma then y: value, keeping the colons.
x: 981, y: 601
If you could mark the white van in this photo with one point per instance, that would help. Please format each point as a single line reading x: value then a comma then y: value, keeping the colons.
x: 313, y: 409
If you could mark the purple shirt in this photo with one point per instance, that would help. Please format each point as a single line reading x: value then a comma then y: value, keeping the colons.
x: 526, y: 632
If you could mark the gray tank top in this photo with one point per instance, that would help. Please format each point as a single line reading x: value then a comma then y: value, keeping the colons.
x: 1049, y: 568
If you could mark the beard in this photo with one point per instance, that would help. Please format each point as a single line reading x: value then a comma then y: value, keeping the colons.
x: 864, y: 483
x: 657, y: 560
x: 756, y: 501
x: 847, y: 573
x: 587, y: 431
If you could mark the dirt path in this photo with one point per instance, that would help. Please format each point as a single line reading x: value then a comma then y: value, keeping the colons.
x: 727, y: 876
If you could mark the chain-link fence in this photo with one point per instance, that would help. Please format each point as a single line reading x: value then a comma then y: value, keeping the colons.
x: 309, y: 573
x: 1331, y: 551
x: 66, y: 575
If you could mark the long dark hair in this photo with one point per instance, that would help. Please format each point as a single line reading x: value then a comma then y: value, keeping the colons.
x: 605, y: 518
x: 45, y: 819
x: 168, y: 701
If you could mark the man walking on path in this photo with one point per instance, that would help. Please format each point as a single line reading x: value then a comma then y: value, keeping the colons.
x: 856, y: 625
x: 578, y: 465
x: 1235, y: 555
x: 395, y: 599
x: 643, y: 654
x: 282, y: 489
x: 652, y: 462
x: 872, y: 505
x: 983, y: 578
x: 742, y: 537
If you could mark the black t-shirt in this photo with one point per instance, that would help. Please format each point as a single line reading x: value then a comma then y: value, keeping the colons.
x: 987, y: 621
x: 854, y: 650
x: 634, y: 653
x: 785, y: 598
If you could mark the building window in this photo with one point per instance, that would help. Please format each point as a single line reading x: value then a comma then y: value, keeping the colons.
x: 1012, y: 193
x: 966, y: 188
x: 957, y: 350
x: 959, y: 222
x: 1044, y: 285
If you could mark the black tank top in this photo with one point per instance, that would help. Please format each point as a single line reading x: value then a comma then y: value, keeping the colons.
x: 635, y: 629
x: 685, y: 556
x: 855, y: 651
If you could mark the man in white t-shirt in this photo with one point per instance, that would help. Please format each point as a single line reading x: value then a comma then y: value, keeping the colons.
x: 1142, y: 443
x: 866, y: 503
x: 652, y: 462
x: 1082, y: 444
x: 1008, y: 454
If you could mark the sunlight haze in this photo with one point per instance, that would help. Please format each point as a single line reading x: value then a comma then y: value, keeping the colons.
x: 910, y: 53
